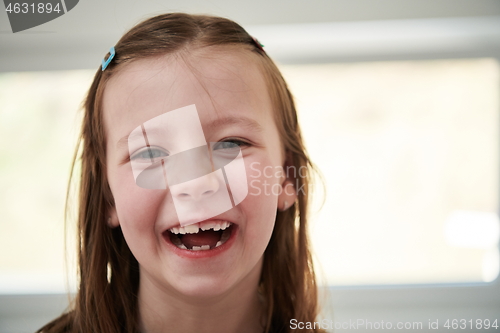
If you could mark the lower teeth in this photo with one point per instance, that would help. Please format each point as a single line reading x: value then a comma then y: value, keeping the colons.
x: 201, y: 248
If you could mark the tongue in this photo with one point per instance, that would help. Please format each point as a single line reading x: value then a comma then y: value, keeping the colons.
x: 208, y: 237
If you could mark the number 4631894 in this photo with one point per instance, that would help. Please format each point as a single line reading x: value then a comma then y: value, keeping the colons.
x: 25, y: 8
x: 471, y: 324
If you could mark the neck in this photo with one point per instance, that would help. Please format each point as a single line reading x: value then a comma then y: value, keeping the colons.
x: 237, y: 310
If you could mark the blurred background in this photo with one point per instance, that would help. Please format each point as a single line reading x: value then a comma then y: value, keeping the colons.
x: 399, y: 104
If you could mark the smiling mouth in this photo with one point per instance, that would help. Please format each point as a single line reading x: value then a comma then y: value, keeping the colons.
x: 201, y: 236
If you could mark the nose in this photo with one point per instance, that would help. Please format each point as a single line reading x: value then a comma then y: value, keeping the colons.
x: 196, y: 189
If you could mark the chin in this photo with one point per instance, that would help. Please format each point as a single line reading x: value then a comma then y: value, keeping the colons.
x: 203, y: 287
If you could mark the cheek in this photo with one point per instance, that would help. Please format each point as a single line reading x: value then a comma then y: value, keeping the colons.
x: 137, y: 210
x: 261, y: 203
x: 139, y: 207
x: 136, y: 207
x: 264, y: 180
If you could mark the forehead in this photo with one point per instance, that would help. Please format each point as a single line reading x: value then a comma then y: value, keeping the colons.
x: 220, y: 82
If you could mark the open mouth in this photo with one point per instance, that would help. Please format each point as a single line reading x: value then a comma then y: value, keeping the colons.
x: 201, y: 236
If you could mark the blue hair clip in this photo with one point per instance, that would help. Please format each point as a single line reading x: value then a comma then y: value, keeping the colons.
x: 258, y: 44
x: 111, y: 56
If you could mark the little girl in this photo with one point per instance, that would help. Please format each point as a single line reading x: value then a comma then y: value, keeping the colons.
x: 192, y: 210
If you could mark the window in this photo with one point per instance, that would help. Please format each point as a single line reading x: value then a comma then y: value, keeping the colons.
x: 409, y: 153
x: 37, y: 138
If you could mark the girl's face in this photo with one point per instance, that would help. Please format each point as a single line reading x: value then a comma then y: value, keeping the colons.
x: 233, y: 106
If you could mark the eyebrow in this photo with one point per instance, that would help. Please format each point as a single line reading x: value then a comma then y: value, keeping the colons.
x: 123, y: 142
x: 248, y: 123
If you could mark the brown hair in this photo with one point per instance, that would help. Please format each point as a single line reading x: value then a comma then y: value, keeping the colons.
x: 288, y: 281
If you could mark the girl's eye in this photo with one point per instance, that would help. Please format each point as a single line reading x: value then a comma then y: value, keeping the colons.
x: 149, y: 154
x: 229, y: 144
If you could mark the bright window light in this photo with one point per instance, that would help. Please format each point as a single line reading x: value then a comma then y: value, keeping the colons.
x: 477, y: 230
x: 409, y: 153
x: 39, y: 122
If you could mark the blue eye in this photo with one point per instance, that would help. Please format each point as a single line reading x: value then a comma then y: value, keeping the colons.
x: 149, y: 154
x: 228, y: 144
x: 225, y: 145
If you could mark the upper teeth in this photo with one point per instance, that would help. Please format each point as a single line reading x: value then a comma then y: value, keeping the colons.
x: 195, y: 228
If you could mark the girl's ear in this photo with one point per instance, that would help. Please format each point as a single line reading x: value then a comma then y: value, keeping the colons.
x: 287, y: 196
x: 288, y: 193
x: 112, y: 217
